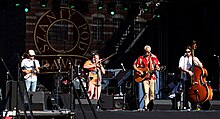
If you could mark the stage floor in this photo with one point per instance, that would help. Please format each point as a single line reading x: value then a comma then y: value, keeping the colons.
x: 47, y: 114
x: 162, y: 111
x: 122, y: 114
x: 159, y: 114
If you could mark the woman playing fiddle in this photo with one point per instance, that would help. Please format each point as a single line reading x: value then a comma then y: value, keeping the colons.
x: 96, y: 70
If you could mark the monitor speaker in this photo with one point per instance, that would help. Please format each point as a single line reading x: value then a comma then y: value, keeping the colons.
x: 106, y: 102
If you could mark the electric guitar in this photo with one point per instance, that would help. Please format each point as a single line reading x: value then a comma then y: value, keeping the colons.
x: 147, y: 73
x: 33, y: 71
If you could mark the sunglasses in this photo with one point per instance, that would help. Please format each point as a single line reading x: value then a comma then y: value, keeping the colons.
x: 188, y: 51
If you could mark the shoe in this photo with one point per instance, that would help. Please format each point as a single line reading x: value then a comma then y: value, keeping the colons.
x: 141, y: 110
x: 147, y: 110
x: 150, y: 105
x: 172, y: 95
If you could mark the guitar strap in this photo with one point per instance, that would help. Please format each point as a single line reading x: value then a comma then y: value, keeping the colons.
x: 34, y: 64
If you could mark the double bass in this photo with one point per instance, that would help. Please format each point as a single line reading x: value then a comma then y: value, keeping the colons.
x: 200, y: 90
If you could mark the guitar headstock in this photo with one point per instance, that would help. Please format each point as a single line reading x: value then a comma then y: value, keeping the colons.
x: 162, y: 68
x: 46, y: 65
x: 194, y: 46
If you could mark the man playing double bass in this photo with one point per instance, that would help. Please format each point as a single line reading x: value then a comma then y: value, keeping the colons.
x: 186, y: 63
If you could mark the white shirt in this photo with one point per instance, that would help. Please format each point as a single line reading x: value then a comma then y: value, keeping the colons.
x: 28, y: 64
x: 185, y: 63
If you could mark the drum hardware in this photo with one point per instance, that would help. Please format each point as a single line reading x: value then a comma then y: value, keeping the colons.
x: 55, y: 98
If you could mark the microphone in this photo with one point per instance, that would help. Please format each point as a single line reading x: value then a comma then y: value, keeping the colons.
x: 59, y: 60
x: 78, y: 70
x: 123, y: 67
x: 185, y: 54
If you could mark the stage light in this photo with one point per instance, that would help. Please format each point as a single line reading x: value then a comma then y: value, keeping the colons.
x: 17, y: 3
x: 27, y: 7
x: 43, y: 3
x: 157, y: 11
x: 125, y: 6
x: 72, y: 4
x: 26, y: 10
x: 100, y: 5
x: 112, y: 13
x: 146, y: 7
x: 111, y: 8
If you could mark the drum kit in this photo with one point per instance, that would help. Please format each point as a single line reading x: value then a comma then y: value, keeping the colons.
x: 63, y: 83
x: 67, y: 83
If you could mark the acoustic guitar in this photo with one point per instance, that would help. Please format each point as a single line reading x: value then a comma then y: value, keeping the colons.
x: 33, y: 71
x: 147, y: 73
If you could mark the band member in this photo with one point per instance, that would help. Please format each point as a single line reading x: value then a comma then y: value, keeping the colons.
x: 185, y: 65
x: 148, y: 61
x: 30, y: 67
x: 96, y: 70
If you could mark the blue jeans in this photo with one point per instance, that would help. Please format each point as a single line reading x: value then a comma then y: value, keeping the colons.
x: 31, y: 85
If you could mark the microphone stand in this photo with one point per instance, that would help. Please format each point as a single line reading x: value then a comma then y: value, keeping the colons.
x: 77, y: 95
x: 18, y: 91
x: 124, y: 101
x: 10, y: 90
x: 218, y: 68
x: 8, y: 72
x: 58, y: 78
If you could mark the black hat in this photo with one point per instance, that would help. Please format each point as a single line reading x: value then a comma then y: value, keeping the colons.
x: 94, y: 53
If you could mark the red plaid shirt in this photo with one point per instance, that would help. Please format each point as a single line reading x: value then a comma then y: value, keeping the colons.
x: 144, y: 62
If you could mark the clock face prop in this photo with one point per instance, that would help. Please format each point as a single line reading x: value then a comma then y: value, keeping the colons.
x: 62, y: 39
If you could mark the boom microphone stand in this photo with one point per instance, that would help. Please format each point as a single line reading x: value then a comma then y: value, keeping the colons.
x: 56, y: 98
x: 84, y: 90
x: 8, y: 74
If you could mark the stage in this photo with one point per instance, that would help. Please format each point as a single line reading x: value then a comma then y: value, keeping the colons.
x: 158, y: 114
x: 123, y: 114
x: 162, y: 110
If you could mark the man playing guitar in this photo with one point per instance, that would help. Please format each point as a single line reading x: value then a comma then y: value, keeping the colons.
x: 141, y: 66
x: 30, y: 67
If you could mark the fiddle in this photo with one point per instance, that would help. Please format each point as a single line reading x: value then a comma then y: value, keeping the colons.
x: 95, y: 65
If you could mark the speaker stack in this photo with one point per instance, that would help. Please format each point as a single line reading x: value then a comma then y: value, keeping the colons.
x: 17, y: 98
x: 39, y: 101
